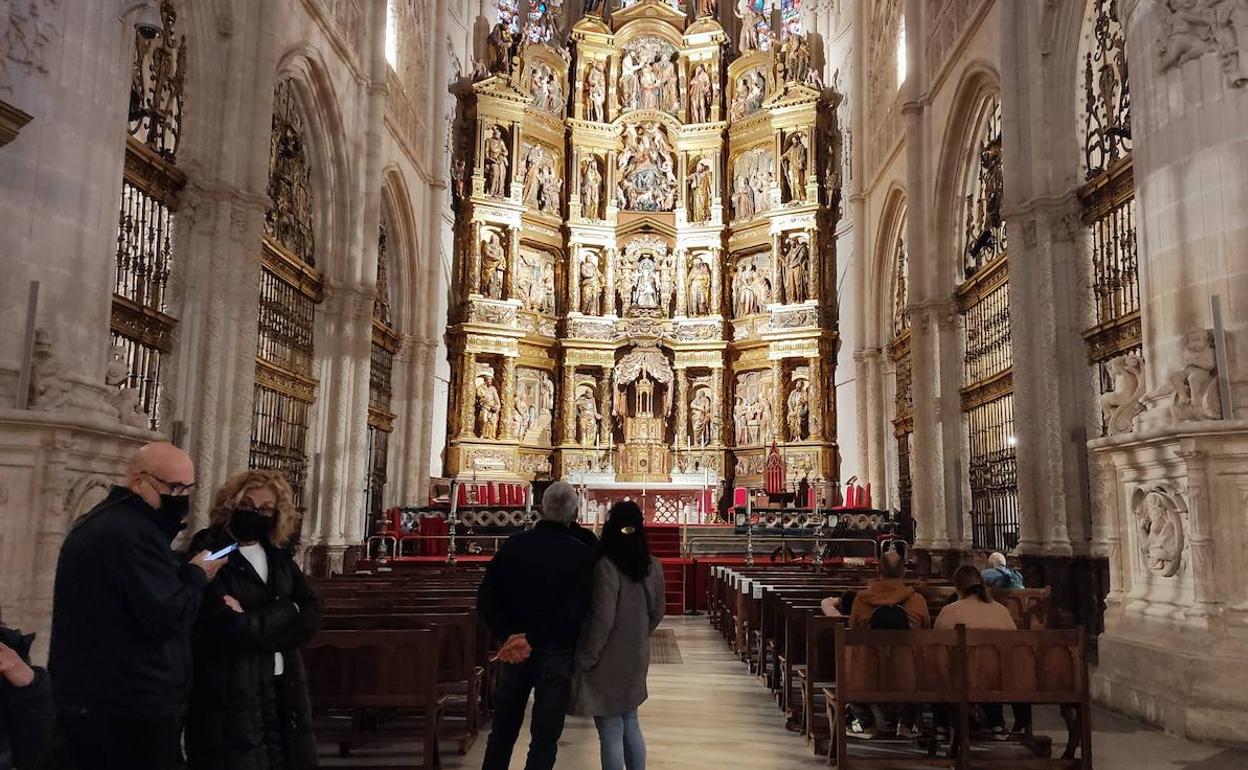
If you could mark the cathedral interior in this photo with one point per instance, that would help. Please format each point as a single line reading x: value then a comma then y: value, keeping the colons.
x: 975, y: 271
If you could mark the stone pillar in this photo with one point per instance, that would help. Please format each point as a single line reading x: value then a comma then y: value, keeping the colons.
x: 1168, y: 508
x: 682, y: 282
x: 682, y: 408
x: 467, y: 394
x: 778, y: 394
x: 777, y: 270
x: 513, y: 260
x: 717, y: 393
x: 608, y: 299
x: 814, y: 270
x: 507, y: 395
x: 574, y: 280
x: 717, y: 269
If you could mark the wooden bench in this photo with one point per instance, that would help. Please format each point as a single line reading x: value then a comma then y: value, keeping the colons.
x: 959, y: 669
x: 357, y: 677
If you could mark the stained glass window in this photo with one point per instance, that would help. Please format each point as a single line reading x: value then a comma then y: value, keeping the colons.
x: 790, y: 17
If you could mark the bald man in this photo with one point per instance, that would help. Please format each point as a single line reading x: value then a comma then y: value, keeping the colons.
x: 122, y: 611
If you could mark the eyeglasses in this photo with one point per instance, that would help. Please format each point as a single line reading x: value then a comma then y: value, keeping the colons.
x: 175, y: 489
x: 246, y: 505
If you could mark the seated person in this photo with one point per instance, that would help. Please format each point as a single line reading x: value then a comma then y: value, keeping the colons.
x: 838, y: 606
x: 889, y: 591
x: 1000, y: 575
x: 975, y: 608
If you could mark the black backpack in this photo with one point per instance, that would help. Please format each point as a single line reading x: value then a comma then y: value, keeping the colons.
x: 890, y: 618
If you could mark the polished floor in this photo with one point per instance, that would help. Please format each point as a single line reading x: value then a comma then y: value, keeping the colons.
x: 708, y: 712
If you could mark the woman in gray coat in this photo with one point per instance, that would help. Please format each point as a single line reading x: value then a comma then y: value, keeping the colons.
x: 613, y: 656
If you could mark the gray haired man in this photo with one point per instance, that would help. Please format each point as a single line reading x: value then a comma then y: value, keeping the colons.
x: 534, y: 596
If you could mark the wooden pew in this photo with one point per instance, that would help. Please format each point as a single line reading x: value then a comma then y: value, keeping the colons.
x: 356, y: 676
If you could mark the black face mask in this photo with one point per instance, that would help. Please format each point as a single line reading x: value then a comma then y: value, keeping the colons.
x: 172, y: 511
x: 249, y: 525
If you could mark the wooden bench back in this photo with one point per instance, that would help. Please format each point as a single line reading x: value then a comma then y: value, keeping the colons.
x: 897, y: 666
x: 373, y: 669
x: 1041, y: 666
x: 1028, y: 606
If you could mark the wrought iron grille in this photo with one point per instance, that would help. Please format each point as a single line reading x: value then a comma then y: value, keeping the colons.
x: 141, y: 327
x: 903, y: 423
x: 381, y: 300
x: 983, y: 222
x: 987, y: 352
x: 1107, y: 95
x: 901, y: 282
x: 279, y: 436
x: 286, y: 319
x: 378, y: 457
x: 905, y: 484
x: 1108, y: 197
x: 993, y: 472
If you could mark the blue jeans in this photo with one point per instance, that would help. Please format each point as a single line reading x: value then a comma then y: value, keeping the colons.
x: 621, y: 742
x: 548, y: 675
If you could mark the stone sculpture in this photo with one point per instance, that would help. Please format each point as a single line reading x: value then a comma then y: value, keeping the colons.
x: 497, y: 160
x: 493, y: 266
x: 1120, y: 406
x: 1195, y: 385
x: 487, y: 406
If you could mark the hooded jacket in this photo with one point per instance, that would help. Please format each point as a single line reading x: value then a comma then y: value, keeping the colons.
x: 887, y: 592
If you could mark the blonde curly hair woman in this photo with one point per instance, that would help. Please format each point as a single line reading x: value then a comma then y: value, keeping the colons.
x: 249, y: 707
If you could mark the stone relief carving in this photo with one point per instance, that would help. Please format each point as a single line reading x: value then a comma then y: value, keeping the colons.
x: 127, y: 400
x: 646, y: 170
x: 49, y: 389
x: 543, y: 185
x: 1192, y: 28
x: 748, y: 94
x: 751, y: 285
x: 753, y: 174
x: 1120, y: 406
x: 1159, y: 528
x: 794, y: 319
x: 644, y: 276
x: 1195, y: 385
x: 536, y: 282
x: 648, y: 78
x: 753, y: 414
x: 27, y: 32
x: 534, y: 409
x: 488, y: 313
x: 546, y: 89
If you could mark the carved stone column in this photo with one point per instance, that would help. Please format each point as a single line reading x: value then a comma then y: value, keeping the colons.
x: 473, y: 259
x: 717, y: 269
x: 608, y: 300
x: 507, y: 395
x: 682, y: 408
x: 682, y: 282
x: 513, y: 260
x: 814, y: 270
x: 717, y: 410
x: 574, y: 281
x: 467, y: 394
x: 777, y: 269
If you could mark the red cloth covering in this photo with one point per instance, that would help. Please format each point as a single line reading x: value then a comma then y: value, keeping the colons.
x: 433, y: 531
x: 774, y: 473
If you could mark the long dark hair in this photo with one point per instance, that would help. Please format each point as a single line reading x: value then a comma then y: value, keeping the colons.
x: 624, y: 540
x: 968, y: 581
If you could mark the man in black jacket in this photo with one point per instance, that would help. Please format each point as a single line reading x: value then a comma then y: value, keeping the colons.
x: 122, y: 611
x: 25, y: 704
x: 535, y: 595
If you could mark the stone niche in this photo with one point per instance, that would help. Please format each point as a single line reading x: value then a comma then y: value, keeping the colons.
x: 1170, y: 513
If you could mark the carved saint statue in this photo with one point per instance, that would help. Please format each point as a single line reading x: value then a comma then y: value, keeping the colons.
x: 591, y: 189
x: 587, y: 418
x: 796, y: 58
x: 669, y: 96
x: 794, y: 162
x: 700, y: 289
x: 596, y: 92
x: 707, y: 8
x: 646, y: 286
x: 630, y: 82
x: 487, y: 407
x: 700, y: 409
x: 700, y: 95
x: 748, y: 40
x: 552, y: 188
x: 700, y: 183
x: 591, y: 285
x: 796, y: 270
x: 500, y: 44
x: 493, y: 266
x: 740, y: 422
x: 496, y: 161
x: 799, y: 412
x: 1195, y: 385
x: 534, y: 164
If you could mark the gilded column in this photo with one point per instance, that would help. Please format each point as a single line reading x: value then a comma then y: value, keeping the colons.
x: 717, y: 270
x: 508, y: 398
x: 777, y: 269
x: 513, y: 258
x: 474, y: 261
x: 467, y: 394
x: 814, y: 270
x: 682, y: 408
x: 574, y: 282
x: 777, y: 400
x: 815, y: 398
x: 682, y: 272
x: 608, y: 301
x: 569, y: 414
x: 717, y: 394
x: 605, y: 407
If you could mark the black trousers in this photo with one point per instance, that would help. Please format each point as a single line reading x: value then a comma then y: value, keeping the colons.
x: 101, y: 742
x: 548, y: 675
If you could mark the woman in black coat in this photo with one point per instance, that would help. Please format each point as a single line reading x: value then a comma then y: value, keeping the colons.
x: 26, y: 716
x: 249, y: 707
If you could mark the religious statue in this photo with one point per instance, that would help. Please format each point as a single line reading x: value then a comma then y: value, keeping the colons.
x: 707, y: 8
x: 740, y: 412
x: 593, y: 8
x: 630, y: 82
x: 748, y: 40
x: 743, y: 199
x: 552, y: 189
x: 700, y: 409
x: 497, y: 158
x: 700, y: 191
x: 760, y: 287
x: 796, y: 268
x: 794, y: 164
x: 596, y: 91
x: 591, y: 285
x: 700, y: 95
x: 1195, y: 385
x: 796, y: 58
x: 493, y: 267
x: 587, y: 417
x: 521, y: 416
x: 700, y: 289
x: 534, y: 163
x: 546, y: 90
x: 799, y: 412
x: 669, y: 95
x: 743, y: 299
x: 500, y: 43
x: 1161, y: 535
x: 1121, y: 405
x: 646, y: 285
x: 647, y: 177
x: 591, y: 189
x: 487, y: 406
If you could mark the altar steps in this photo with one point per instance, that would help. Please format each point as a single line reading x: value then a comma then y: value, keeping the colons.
x: 665, y: 545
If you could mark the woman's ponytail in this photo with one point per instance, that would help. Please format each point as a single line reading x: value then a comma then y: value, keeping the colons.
x: 968, y: 581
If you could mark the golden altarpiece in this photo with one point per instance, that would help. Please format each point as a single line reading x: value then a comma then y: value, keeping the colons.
x: 644, y: 277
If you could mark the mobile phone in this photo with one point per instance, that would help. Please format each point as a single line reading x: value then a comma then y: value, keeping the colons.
x: 226, y: 551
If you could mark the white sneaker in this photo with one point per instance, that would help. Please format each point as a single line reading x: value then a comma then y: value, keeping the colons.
x: 999, y: 733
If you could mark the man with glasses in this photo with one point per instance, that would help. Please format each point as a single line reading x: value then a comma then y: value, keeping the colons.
x: 123, y: 606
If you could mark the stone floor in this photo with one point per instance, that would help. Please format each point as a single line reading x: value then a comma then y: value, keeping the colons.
x: 707, y: 712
